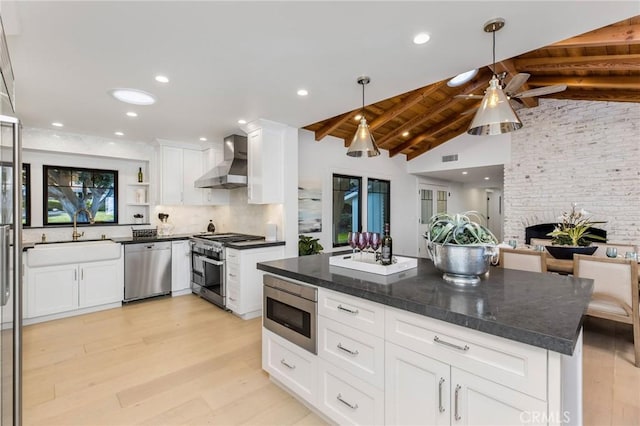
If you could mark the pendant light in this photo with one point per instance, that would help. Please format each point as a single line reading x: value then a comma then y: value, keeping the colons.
x: 363, y: 143
x: 495, y: 115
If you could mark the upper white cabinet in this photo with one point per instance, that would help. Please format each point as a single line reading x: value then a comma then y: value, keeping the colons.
x: 180, y: 168
x: 265, y: 162
x: 212, y: 158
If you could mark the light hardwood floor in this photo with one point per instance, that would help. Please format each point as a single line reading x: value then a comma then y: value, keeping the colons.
x: 175, y: 361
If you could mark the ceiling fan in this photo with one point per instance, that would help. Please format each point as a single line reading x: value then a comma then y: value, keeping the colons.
x: 511, y: 90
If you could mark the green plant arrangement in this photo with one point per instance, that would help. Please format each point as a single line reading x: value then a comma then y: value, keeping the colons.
x: 308, y: 245
x: 573, y: 230
x: 460, y: 229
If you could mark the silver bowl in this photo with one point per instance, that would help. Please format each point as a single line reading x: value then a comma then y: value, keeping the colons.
x: 462, y: 265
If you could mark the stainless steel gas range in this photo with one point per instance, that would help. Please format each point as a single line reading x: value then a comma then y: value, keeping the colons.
x: 208, y: 265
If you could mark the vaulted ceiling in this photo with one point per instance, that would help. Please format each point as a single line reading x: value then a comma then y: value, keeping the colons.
x: 602, y: 65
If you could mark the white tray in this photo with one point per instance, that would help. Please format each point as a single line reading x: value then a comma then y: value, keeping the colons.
x: 367, y: 263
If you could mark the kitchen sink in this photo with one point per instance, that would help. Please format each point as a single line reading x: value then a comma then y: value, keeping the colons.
x: 49, y: 254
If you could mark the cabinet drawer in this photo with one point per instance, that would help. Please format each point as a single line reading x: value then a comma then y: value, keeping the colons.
x: 516, y: 365
x: 233, y: 272
x: 360, y: 353
x: 352, y: 311
x: 233, y: 256
x: 294, y: 367
x: 348, y: 400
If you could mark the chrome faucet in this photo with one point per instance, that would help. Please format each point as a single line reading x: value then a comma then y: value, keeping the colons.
x: 75, y: 234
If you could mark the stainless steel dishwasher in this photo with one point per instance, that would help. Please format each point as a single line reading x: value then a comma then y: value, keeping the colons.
x: 147, y: 270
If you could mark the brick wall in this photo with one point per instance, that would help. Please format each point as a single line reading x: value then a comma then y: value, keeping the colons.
x: 575, y: 152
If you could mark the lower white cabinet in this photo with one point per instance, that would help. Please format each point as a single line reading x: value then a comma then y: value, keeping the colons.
x: 244, y: 280
x: 180, y: 267
x: 422, y: 390
x: 63, y: 288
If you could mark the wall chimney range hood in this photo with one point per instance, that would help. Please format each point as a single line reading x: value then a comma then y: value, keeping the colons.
x: 232, y: 171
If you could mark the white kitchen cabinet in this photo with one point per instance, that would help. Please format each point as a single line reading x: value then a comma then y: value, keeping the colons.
x: 180, y: 267
x: 180, y: 169
x: 212, y: 158
x: 291, y: 365
x: 265, y: 174
x: 63, y: 288
x: 244, y: 280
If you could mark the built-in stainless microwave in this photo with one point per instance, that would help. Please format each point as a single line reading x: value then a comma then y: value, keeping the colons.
x: 290, y: 311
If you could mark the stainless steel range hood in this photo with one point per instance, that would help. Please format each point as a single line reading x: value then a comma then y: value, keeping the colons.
x: 232, y: 171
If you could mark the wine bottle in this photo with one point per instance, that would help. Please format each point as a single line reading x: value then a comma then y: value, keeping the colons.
x: 140, y: 174
x: 387, y: 251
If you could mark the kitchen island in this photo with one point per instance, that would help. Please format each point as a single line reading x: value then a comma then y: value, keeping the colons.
x: 419, y: 350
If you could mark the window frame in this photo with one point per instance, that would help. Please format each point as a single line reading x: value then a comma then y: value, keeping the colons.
x: 45, y: 194
x: 359, y: 216
x: 387, y: 203
x: 26, y: 184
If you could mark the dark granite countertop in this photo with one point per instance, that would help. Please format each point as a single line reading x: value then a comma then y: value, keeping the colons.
x: 254, y: 244
x: 543, y: 310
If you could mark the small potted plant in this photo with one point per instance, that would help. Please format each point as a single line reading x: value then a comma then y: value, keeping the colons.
x: 461, y: 247
x: 572, y: 234
x: 308, y: 245
x: 138, y: 217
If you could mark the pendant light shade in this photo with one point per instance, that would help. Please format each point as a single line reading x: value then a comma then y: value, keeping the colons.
x: 495, y: 115
x: 363, y: 144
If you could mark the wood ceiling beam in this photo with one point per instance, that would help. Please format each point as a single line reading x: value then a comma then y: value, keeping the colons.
x: 584, y: 63
x: 405, y: 104
x: 334, y: 123
x: 435, y: 143
x: 608, y: 36
x: 432, y: 112
x: 602, y: 82
x: 512, y: 70
x: 428, y: 134
x: 599, y: 95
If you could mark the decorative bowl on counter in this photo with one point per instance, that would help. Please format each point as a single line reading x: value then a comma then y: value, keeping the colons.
x: 567, y: 252
x: 462, y: 264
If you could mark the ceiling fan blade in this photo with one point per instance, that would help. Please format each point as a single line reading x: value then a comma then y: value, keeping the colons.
x: 516, y: 82
x: 469, y: 96
x: 541, y: 91
x: 469, y: 111
x: 516, y: 104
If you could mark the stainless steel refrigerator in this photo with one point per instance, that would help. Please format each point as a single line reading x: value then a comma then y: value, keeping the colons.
x: 11, y: 217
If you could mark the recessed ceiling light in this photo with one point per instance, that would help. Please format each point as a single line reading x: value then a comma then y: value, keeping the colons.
x: 203, y: 139
x: 119, y: 134
x: 241, y: 121
x: 162, y: 79
x: 57, y: 124
x: 302, y: 92
x: 461, y: 79
x: 421, y: 38
x: 405, y: 134
x: 357, y: 117
x: 486, y: 178
x: 465, y: 173
x: 132, y: 114
x: 133, y: 96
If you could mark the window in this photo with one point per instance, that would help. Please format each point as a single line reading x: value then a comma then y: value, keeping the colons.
x: 378, y: 204
x: 69, y: 189
x: 7, y: 193
x: 346, y: 207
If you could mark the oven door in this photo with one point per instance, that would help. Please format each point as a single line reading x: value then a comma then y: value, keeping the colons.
x: 291, y: 317
x: 207, y: 278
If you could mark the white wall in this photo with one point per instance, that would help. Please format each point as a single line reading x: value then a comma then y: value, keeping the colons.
x: 318, y: 161
x: 575, y: 152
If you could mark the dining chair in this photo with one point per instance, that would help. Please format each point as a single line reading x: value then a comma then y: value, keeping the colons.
x: 615, y: 291
x: 523, y: 259
x: 621, y: 247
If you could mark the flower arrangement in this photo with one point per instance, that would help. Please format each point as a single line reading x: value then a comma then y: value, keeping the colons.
x: 573, y: 230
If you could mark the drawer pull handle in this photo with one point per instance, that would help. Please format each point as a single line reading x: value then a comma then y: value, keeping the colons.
x: 232, y: 275
x: 352, y: 406
x: 231, y: 298
x: 451, y: 345
x: 349, y: 351
x: 286, y: 364
x: 351, y: 311
x: 456, y: 414
x: 440, y: 407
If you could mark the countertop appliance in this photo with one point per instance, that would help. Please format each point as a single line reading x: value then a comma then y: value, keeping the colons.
x: 208, y: 266
x: 147, y: 270
x: 290, y: 311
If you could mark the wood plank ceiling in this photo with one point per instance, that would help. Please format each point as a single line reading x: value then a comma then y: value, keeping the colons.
x: 602, y: 65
